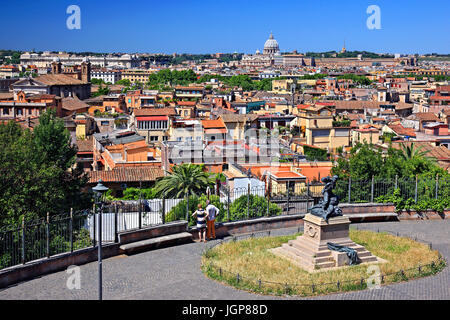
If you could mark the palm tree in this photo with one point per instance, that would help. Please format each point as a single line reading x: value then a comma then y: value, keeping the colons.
x: 410, y: 152
x: 184, y: 180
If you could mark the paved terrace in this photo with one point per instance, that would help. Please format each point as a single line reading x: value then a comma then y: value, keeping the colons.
x: 174, y: 273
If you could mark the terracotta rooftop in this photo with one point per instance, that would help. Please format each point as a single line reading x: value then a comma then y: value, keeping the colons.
x: 41, y: 96
x: 6, y: 95
x: 58, y: 79
x: 155, y: 112
x: 189, y: 88
x: 357, y: 105
x: 427, y: 116
x: 73, y: 104
x: 238, y: 117
x: 186, y: 103
x: 85, y: 145
x: 209, y: 124
x: 403, y: 106
x: 126, y: 175
x: 400, y: 130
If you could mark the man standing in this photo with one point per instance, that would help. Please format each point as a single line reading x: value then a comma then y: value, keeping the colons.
x: 212, y: 211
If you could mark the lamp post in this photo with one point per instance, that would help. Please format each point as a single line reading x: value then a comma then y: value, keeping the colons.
x: 99, y: 191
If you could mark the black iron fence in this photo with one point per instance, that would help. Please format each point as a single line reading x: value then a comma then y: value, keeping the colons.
x: 408, y: 189
x: 67, y: 232
x: 44, y: 238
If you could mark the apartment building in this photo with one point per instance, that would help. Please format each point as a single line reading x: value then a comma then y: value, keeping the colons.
x: 108, y: 76
x: 9, y: 72
x: 189, y: 93
x: 321, y: 130
x: 137, y: 99
x: 26, y: 106
x: 123, y: 149
x: 154, y: 123
x: 441, y: 96
x: 136, y: 75
x: 365, y: 134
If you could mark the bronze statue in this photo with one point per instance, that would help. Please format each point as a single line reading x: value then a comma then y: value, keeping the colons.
x: 328, y: 207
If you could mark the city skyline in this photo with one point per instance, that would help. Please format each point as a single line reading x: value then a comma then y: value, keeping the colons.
x: 227, y: 27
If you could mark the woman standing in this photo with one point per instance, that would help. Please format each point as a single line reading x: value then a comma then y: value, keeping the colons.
x: 202, y: 215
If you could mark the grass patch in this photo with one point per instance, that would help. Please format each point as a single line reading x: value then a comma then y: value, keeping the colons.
x: 249, y: 265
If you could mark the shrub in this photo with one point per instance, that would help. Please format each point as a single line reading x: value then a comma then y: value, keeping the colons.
x: 257, y: 207
x: 136, y: 194
x: 133, y: 194
x: 313, y: 154
x: 179, y: 211
x: 238, y: 209
x: 438, y: 205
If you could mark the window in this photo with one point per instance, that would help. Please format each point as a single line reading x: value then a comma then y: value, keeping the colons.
x: 19, y: 112
x: 154, y: 138
x: 104, y: 123
x: 320, y: 133
x: 5, y: 111
x: 341, y: 132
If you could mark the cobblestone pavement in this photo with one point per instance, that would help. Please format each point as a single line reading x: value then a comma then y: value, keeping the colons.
x: 174, y: 273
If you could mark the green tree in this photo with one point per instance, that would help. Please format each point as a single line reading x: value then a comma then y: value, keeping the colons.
x: 185, y: 179
x: 366, y: 160
x: 102, y: 91
x: 411, y: 151
x: 124, y: 82
x: 55, y: 162
x: 16, y: 173
x: 315, y: 154
x: 97, y: 81
x: 38, y: 172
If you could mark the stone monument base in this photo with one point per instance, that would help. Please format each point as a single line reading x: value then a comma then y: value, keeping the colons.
x: 310, y: 252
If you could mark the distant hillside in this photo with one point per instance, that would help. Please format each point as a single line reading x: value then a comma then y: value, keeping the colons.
x: 348, y: 54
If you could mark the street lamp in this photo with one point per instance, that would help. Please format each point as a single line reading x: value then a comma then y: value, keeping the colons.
x: 99, y: 191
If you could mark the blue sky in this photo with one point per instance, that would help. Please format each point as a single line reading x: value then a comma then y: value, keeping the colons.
x: 200, y: 26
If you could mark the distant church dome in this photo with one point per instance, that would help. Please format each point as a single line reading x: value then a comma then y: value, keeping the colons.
x: 258, y: 52
x: 271, y: 46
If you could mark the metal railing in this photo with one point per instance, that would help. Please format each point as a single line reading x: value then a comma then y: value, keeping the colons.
x: 416, y: 189
x: 71, y: 231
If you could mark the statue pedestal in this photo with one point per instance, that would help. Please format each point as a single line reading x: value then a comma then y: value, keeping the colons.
x: 310, y: 251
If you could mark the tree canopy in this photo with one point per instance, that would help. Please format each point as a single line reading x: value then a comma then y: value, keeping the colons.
x: 185, y: 179
x: 366, y: 160
x: 37, y: 171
